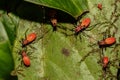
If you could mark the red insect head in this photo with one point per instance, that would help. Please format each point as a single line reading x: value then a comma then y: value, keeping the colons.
x: 99, y: 6
x: 30, y: 38
x: 107, y: 41
x: 26, y: 59
x: 105, y: 61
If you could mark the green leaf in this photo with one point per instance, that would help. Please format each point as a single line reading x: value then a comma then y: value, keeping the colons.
x: 6, y: 44
x: 61, y: 55
x: 73, y: 7
x: 9, y: 25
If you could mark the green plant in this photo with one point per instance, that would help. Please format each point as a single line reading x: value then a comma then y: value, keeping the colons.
x: 59, y: 54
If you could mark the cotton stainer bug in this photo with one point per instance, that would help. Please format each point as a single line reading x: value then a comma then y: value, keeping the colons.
x: 99, y: 6
x: 107, y: 42
x: 25, y: 58
x: 30, y: 38
x: 105, y: 61
x: 83, y: 25
x: 53, y: 18
x: 54, y: 23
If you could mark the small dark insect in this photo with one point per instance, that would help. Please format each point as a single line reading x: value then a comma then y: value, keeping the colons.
x: 54, y: 23
x: 84, y: 24
x: 107, y: 42
x: 65, y: 51
x: 30, y: 38
x: 99, y: 6
x: 25, y: 58
x: 53, y: 19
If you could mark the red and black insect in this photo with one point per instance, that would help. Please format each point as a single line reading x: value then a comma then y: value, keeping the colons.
x: 25, y: 58
x: 83, y: 25
x: 53, y: 18
x: 30, y: 38
x: 99, y: 6
x: 107, y: 42
x: 54, y: 23
x: 105, y: 61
